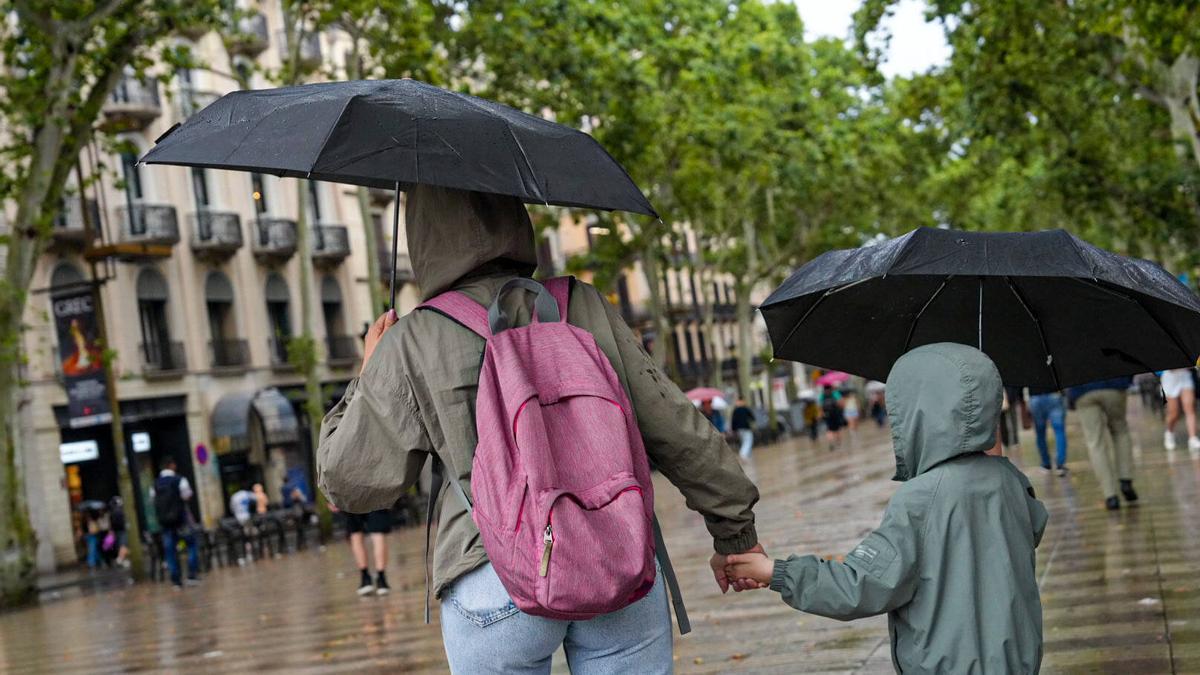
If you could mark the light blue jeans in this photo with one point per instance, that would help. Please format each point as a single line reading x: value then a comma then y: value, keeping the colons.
x: 484, y: 632
x: 747, y: 438
x: 1049, y: 408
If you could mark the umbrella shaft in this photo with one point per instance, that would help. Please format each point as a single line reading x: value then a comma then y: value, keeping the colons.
x: 395, y: 243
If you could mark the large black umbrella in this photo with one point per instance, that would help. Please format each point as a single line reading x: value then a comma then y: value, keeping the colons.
x: 1049, y: 308
x: 394, y: 134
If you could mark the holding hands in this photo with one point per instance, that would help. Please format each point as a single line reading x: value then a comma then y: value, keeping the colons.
x: 744, y: 571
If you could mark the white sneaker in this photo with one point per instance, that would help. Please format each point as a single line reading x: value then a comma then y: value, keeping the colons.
x: 1194, y: 444
x: 1168, y: 440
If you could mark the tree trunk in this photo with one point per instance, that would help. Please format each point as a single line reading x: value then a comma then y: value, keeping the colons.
x: 708, y: 311
x: 664, y: 350
x: 1179, y: 96
x: 307, y: 356
x: 745, y: 350
x: 18, y: 543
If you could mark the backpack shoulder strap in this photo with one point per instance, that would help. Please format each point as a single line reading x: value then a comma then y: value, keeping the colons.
x: 461, y: 309
x: 560, y: 288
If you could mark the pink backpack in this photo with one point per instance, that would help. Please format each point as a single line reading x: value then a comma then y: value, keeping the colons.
x: 560, y: 480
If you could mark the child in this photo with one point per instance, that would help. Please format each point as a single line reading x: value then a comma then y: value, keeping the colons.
x: 953, y: 561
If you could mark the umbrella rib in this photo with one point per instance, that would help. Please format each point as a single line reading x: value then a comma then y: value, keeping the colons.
x: 913, y: 328
x: 804, y: 318
x: 1174, y: 339
x: 532, y: 174
x: 1041, y: 333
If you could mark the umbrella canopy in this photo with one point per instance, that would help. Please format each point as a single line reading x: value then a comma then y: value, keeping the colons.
x: 1049, y: 308
x: 704, y: 393
x: 394, y: 134
x: 379, y: 133
x: 832, y: 379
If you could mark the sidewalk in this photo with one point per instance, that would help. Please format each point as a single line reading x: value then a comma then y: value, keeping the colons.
x: 1119, y: 589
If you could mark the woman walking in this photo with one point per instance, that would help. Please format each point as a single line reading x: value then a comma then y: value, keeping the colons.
x: 1048, y: 407
x: 1180, y: 393
x: 415, y: 398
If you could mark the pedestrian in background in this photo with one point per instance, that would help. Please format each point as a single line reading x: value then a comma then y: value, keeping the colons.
x: 1048, y: 407
x: 170, y: 495
x: 713, y: 415
x: 812, y: 420
x: 831, y: 411
x: 1101, y: 406
x: 95, y: 525
x: 850, y: 410
x: 742, y: 423
x: 376, y: 524
x: 1180, y: 392
x: 116, y: 516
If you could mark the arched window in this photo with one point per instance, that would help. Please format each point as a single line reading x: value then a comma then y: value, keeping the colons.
x: 340, y: 346
x: 158, y: 351
x: 278, y: 316
x: 227, y: 350
x: 66, y: 277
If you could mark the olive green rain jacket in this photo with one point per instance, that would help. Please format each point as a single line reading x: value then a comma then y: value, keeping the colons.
x: 416, y: 395
x: 952, y: 563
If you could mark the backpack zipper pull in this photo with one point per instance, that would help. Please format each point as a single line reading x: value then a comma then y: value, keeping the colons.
x: 547, y: 546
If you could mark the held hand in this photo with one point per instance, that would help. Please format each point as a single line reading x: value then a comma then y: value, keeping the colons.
x: 719, y: 564
x: 753, y: 567
x: 375, y: 332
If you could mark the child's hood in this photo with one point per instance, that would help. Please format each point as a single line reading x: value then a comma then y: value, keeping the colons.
x: 943, y: 401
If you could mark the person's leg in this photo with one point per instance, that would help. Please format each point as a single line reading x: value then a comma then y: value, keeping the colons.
x: 170, y: 542
x: 636, y: 639
x: 1098, y: 439
x: 484, y: 632
x: 1058, y: 421
x: 93, y: 550
x: 1122, y: 443
x: 1038, y: 411
x: 1172, y: 413
x: 193, y: 555
x: 747, y: 443
x: 359, y: 549
x: 1187, y: 399
x: 379, y: 550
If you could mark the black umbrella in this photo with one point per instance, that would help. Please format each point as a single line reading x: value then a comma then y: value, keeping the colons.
x: 1049, y: 308
x: 394, y: 134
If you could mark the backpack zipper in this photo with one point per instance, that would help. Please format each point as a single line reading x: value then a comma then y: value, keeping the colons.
x: 547, y: 546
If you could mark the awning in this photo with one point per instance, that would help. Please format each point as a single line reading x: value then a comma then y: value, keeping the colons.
x: 232, y: 417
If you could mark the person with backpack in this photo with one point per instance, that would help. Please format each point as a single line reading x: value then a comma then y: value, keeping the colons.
x: 545, y: 422
x: 831, y: 412
x: 170, y: 495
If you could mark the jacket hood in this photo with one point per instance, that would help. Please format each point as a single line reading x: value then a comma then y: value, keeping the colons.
x: 454, y: 234
x: 944, y: 401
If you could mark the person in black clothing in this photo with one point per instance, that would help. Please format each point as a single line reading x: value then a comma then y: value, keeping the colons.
x: 116, y: 514
x: 742, y: 423
x: 171, y: 494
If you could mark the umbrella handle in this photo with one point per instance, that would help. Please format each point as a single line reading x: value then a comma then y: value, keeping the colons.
x: 395, y: 244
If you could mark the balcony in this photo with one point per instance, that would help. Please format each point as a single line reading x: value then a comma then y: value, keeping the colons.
x: 69, y: 227
x: 233, y: 354
x: 330, y: 244
x: 404, y: 270
x: 192, y: 101
x: 132, y: 106
x: 342, y: 350
x: 249, y: 37
x: 216, y: 235
x: 148, y: 224
x: 277, y: 346
x: 274, y: 240
x: 309, y: 53
x: 163, y: 359
x: 380, y: 196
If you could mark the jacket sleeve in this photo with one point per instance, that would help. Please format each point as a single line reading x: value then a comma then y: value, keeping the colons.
x: 685, y: 447
x: 878, y: 576
x: 1038, y: 517
x: 372, y: 442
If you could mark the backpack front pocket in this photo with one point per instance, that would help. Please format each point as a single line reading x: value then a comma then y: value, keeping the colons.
x: 593, y: 557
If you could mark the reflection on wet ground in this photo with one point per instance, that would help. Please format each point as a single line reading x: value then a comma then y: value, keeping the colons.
x: 1120, y: 590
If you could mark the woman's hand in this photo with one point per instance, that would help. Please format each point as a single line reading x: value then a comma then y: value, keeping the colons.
x: 374, y: 333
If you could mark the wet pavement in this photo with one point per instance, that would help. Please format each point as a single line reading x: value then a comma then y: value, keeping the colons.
x: 1120, y: 590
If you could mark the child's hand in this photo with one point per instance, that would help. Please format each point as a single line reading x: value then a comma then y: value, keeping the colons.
x: 754, y: 566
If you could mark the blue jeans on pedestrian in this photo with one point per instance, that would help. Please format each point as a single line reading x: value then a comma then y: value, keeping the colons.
x: 1049, y: 408
x: 746, y: 436
x: 171, y: 538
x: 93, y: 550
x: 484, y: 632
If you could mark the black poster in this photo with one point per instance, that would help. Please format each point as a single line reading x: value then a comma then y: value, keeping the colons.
x: 80, y: 359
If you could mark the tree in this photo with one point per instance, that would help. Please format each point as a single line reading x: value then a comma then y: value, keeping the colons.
x: 61, y: 61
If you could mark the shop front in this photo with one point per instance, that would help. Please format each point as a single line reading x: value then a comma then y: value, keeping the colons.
x: 155, y: 430
x: 256, y: 437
